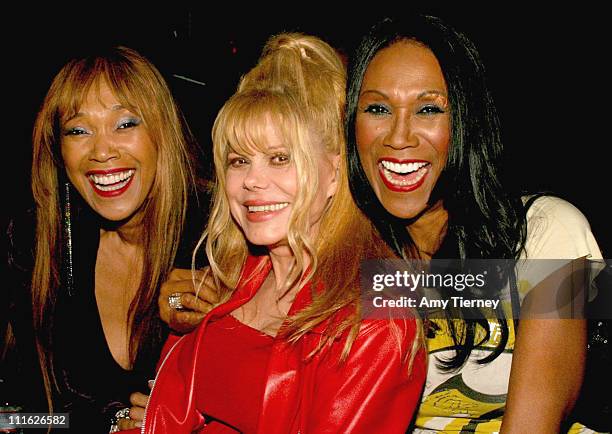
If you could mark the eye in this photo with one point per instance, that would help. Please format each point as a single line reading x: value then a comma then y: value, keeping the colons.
x: 280, y: 159
x: 128, y: 123
x: 75, y: 131
x: 431, y: 109
x: 237, y: 162
x: 377, y: 109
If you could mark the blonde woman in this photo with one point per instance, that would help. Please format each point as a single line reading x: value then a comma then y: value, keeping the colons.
x: 110, y: 176
x: 287, y: 351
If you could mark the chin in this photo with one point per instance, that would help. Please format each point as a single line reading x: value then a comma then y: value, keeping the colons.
x: 404, y: 214
x: 267, y: 240
x: 403, y: 209
x: 116, y: 215
x: 116, y: 218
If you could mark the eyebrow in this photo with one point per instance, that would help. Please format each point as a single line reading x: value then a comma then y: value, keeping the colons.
x: 266, y: 151
x: 114, y: 108
x: 277, y: 148
x: 420, y: 95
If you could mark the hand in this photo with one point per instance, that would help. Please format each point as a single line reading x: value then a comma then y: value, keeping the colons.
x: 139, y: 403
x: 194, y: 308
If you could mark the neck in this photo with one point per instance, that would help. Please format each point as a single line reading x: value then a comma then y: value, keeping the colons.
x: 429, y: 229
x: 129, y: 234
x: 282, y: 260
x: 128, y: 231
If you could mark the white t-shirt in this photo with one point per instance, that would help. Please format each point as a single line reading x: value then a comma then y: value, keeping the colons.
x: 473, y: 399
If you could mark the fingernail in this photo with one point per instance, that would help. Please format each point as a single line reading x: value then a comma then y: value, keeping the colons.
x: 151, y: 383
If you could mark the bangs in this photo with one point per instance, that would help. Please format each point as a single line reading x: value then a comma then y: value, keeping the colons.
x: 88, y: 75
x: 242, y: 125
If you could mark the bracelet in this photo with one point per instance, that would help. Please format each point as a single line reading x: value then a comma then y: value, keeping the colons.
x: 124, y: 413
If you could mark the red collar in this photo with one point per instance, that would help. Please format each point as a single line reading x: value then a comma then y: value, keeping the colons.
x: 250, y: 282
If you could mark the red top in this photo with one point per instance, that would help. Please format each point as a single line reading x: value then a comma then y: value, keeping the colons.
x: 232, y: 375
x: 369, y: 392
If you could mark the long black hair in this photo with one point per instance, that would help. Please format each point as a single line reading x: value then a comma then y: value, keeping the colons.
x: 485, y: 222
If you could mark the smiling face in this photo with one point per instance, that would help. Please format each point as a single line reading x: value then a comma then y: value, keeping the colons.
x: 403, y: 127
x: 109, y: 156
x: 262, y: 187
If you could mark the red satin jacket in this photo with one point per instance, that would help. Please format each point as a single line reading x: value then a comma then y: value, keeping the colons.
x: 370, y: 392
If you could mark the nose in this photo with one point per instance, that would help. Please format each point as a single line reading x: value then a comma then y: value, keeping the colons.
x: 402, y: 134
x: 255, y: 178
x: 103, y: 148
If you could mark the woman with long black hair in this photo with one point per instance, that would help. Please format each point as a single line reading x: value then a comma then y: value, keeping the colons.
x: 424, y: 148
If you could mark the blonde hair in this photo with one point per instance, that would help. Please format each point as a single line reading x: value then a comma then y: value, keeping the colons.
x: 140, y: 87
x: 299, y: 87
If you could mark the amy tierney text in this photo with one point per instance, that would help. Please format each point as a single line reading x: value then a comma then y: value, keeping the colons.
x: 424, y: 302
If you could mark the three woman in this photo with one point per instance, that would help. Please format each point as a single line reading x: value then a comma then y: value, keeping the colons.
x: 424, y: 145
x: 288, y: 351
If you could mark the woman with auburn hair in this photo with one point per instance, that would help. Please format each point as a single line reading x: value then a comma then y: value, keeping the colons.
x: 111, y: 175
x: 288, y: 349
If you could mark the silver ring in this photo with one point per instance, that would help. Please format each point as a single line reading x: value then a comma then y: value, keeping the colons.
x: 174, y: 300
x: 124, y: 413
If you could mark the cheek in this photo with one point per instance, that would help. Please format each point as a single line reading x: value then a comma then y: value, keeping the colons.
x: 286, y: 180
x: 367, y: 154
x: 365, y: 135
x: 234, y: 193
x: 150, y: 167
x: 233, y: 190
x: 233, y: 186
x: 145, y: 150
x: 151, y: 170
x: 439, y: 137
x: 71, y: 158
x: 153, y: 160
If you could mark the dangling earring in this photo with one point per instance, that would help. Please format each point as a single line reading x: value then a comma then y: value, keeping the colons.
x: 68, y: 238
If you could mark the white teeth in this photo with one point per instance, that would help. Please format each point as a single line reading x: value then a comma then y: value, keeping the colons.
x: 404, y: 182
x: 113, y: 187
x: 268, y: 208
x: 403, y: 168
x: 103, y: 181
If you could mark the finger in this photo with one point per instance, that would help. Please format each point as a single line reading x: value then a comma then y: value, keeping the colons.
x: 209, y: 294
x: 137, y: 413
x: 186, y: 274
x: 180, y: 274
x: 138, y: 399
x: 187, y: 320
x: 170, y: 287
x: 184, y: 321
x: 200, y: 274
x: 125, y: 424
x: 202, y: 303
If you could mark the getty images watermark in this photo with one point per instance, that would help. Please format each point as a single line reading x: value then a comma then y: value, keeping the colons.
x: 518, y: 289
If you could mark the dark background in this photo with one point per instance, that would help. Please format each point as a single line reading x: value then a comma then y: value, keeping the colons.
x: 539, y: 66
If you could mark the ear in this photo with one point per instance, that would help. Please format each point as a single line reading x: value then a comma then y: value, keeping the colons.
x: 335, y: 175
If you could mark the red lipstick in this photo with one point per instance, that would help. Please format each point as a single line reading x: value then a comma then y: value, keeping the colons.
x: 410, y: 181
x: 113, y: 189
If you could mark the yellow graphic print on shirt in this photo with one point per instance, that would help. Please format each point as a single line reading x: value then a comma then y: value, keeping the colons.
x: 472, y: 399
